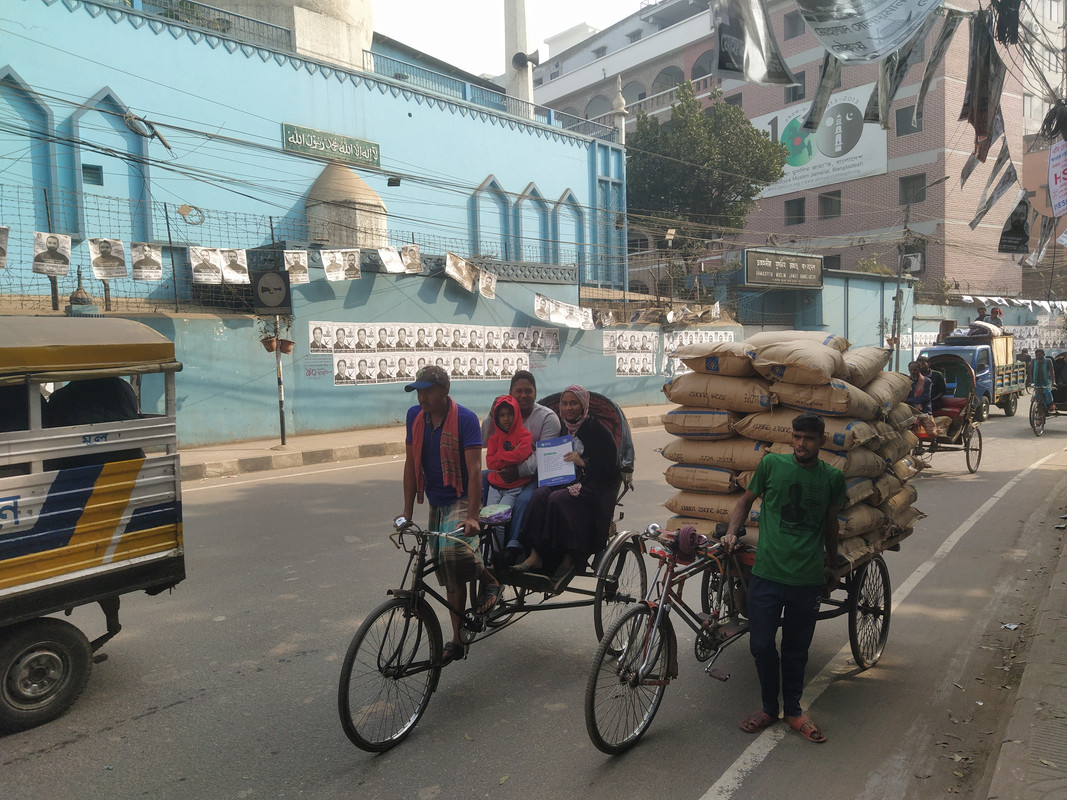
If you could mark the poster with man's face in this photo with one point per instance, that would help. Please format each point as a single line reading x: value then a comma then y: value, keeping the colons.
x: 234, y: 266
x: 205, y: 265
x: 412, y: 259
x: 147, y: 261
x: 352, y: 270
x: 487, y: 284
x: 108, y: 257
x: 296, y: 264
x: 333, y: 262
x: 462, y: 272
x: 51, y: 254
x: 4, y: 232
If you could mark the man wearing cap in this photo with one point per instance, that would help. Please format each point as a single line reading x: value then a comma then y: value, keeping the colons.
x: 443, y: 463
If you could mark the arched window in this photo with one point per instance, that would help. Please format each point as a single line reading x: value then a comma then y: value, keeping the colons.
x: 533, y: 233
x: 491, y: 229
x: 668, y: 78
x: 597, y: 107
x: 98, y: 125
x: 570, y: 230
x: 27, y: 147
x: 704, y: 65
x: 633, y: 92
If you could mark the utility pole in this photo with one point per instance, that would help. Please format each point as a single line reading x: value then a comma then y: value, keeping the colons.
x: 897, y: 298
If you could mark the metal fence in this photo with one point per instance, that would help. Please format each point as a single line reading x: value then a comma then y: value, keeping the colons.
x: 174, y: 228
x: 483, y: 96
x: 216, y: 20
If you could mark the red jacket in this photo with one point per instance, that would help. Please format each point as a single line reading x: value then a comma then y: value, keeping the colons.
x: 508, y: 449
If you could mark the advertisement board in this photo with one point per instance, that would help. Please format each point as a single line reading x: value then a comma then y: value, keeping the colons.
x: 840, y: 149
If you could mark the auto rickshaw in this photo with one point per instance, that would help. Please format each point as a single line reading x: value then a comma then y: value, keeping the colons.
x: 90, y: 496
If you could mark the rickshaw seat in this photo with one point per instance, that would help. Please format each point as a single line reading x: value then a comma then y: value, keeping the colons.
x: 952, y: 406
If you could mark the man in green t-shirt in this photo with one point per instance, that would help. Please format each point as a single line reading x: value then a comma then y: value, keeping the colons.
x: 797, y: 542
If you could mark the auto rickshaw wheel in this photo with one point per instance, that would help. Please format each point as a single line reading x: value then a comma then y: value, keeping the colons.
x: 44, y: 666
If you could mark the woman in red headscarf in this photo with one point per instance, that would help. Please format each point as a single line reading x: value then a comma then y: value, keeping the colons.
x: 567, y: 524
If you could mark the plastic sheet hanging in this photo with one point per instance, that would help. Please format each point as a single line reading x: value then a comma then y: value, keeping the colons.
x: 953, y: 18
x: 985, y: 83
x: 891, y: 73
x: 746, y: 47
x: 865, y: 30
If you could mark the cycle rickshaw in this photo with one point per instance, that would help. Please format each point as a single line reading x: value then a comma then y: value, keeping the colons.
x: 957, y: 418
x: 638, y: 657
x: 394, y: 662
x: 1039, y: 412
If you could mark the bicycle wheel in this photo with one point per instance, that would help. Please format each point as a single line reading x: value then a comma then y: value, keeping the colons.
x: 625, y: 582
x: 389, y: 673
x: 1038, y: 412
x: 869, y: 610
x: 972, y: 443
x: 627, y: 681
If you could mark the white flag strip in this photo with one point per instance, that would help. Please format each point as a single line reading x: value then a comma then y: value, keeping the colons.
x: 865, y: 30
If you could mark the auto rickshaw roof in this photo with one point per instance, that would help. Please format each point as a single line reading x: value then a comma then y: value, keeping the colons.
x: 36, y: 345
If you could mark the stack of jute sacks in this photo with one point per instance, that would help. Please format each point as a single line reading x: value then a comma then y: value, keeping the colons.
x: 739, y: 403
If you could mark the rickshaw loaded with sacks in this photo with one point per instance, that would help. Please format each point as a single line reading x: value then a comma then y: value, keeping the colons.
x: 85, y: 515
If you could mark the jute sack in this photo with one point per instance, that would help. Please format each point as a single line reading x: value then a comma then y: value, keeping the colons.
x: 767, y: 426
x: 908, y: 517
x: 707, y: 528
x: 735, y: 454
x: 859, y: 462
x: 864, y: 364
x: 885, y: 487
x: 743, y: 478
x: 853, y: 548
x: 858, y: 489
x: 719, y: 392
x: 901, y: 417
x: 898, y: 503
x: 888, y: 389
x: 905, y: 468
x: 777, y: 426
x: 717, y: 507
x: 859, y: 519
x: 799, y: 362
x: 839, y: 343
x: 886, y: 432
x: 836, y: 399
x: 717, y: 358
x: 700, y: 423
x: 897, y: 448
x: 700, y: 479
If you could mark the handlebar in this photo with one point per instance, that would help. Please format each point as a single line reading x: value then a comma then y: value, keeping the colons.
x: 402, y: 525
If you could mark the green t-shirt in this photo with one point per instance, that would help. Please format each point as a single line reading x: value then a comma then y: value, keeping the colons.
x: 792, y: 521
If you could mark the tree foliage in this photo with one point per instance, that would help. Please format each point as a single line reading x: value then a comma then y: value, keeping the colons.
x: 700, y: 172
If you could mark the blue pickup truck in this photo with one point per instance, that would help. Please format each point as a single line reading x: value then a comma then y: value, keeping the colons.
x: 999, y: 378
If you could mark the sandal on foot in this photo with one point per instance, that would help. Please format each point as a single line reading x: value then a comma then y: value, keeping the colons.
x: 561, y: 578
x: 757, y: 722
x: 522, y: 566
x: 453, y: 651
x: 806, y: 728
x: 489, y: 598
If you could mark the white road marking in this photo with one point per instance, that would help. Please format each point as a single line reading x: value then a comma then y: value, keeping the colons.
x: 730, y: 781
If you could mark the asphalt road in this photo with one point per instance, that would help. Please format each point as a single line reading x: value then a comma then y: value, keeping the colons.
x: 226, y: 688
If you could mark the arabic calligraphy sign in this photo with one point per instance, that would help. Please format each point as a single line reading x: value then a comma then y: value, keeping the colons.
x: 330, y: 145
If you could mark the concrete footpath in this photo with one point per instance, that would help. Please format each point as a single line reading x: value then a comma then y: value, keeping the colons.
x: 1032, y: 762
x: 327, y: 448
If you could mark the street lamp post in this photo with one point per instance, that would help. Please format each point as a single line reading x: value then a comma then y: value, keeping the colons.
x: 897, y: 299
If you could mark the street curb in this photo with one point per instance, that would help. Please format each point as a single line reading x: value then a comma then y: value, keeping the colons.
x: 229, y: 467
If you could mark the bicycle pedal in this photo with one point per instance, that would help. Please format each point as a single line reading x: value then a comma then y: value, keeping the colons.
x: 718, y: 674
x: 705, y: 619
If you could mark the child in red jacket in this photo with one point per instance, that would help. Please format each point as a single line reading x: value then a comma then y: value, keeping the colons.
x: 509, y: 445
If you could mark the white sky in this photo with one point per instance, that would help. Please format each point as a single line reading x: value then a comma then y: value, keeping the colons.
x: 470, y: 33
